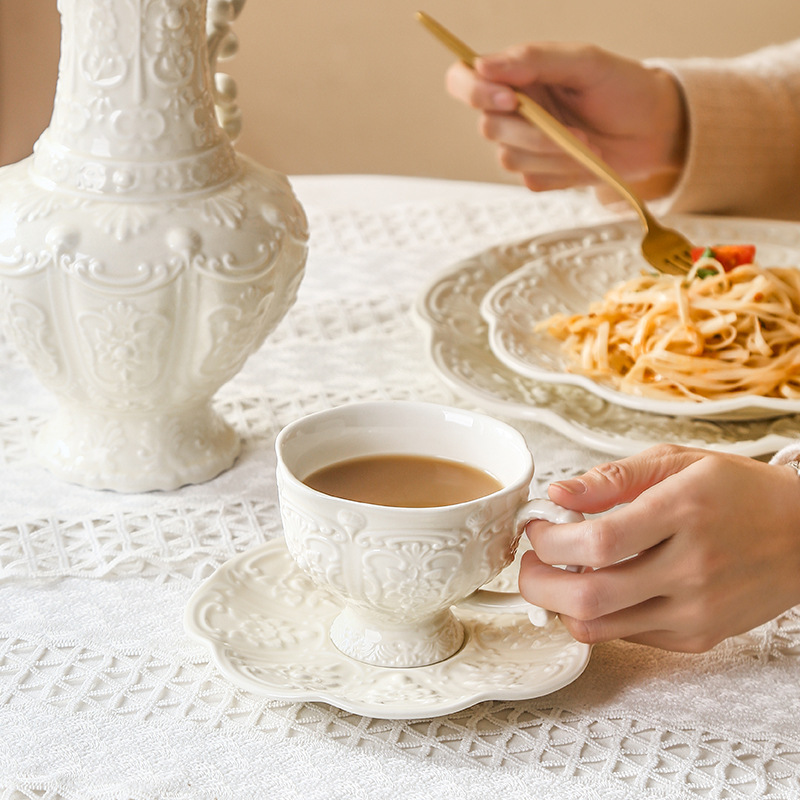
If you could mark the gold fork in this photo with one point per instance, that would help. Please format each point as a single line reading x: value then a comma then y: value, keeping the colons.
x: 665, y: 249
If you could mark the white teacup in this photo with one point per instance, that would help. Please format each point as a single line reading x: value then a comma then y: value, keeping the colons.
x: 398, y: 570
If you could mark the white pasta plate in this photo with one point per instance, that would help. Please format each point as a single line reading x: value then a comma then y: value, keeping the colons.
x: 448, y: 311
x: 566, y: 279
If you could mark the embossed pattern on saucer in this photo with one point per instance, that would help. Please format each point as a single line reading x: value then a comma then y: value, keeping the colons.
x: 448, y: 309
x: 267, y: 627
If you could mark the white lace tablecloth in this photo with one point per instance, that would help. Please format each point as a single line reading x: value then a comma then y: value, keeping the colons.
x: 104, y: 697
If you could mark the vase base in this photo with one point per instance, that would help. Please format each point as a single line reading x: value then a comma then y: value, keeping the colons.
x: 137, y: 453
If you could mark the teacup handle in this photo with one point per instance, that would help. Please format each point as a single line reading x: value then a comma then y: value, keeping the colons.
x: 513, y: 602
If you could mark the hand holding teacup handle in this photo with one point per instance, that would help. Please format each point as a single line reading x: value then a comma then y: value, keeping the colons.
x: 513, y: 602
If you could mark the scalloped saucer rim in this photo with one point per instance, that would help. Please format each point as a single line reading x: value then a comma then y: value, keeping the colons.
x: 232, y: 608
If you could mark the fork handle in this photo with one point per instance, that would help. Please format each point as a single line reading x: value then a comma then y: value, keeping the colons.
x: 546, y: 122
x: 564, y: 138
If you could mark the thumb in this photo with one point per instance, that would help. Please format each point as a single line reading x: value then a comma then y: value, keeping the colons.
x: 615, y: 482
x: 557, y: 63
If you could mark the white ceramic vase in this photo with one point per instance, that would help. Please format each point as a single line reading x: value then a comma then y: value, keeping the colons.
x: 142, y: 260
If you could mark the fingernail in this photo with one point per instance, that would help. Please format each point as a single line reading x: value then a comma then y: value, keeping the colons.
x: 497, y: 61
x: 504, y: 100
x: 573, y: 486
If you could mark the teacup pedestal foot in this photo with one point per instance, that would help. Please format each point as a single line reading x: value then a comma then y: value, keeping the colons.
x: 416, y: 644
x: 137, y: 452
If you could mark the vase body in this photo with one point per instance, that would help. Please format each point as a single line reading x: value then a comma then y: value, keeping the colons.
x: 142, y: 260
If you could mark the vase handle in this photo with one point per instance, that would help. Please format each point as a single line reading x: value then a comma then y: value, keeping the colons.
x: 222, y: 44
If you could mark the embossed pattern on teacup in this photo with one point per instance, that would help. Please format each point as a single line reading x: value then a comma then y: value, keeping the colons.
x: 399, y: 570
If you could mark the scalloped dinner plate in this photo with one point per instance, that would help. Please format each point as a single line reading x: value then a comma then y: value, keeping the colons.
x: 266, y: 625
x: 567, y: 280
x: 448, y: 311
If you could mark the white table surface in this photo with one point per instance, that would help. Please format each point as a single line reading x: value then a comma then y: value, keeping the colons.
x: 103, y: 696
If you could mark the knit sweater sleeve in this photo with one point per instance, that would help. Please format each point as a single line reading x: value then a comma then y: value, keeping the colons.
x: 744, y: 133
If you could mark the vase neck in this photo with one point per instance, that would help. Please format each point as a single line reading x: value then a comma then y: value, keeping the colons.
x: 133, y: 110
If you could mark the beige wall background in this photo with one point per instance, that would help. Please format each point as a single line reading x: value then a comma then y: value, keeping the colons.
x: 356, y: 86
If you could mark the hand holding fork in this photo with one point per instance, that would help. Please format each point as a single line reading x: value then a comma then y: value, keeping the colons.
x: 665, y: 249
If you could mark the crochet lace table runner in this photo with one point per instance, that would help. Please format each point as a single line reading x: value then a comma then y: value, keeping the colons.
x: 104, y: 697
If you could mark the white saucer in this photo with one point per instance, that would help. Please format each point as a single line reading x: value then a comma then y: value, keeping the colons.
x: 449, y: 310
x: 267, y: 627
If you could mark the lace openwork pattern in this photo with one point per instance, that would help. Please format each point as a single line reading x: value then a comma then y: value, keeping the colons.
x: 102, y: 694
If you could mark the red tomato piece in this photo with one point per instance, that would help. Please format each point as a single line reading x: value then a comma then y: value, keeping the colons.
x: 729, y: 255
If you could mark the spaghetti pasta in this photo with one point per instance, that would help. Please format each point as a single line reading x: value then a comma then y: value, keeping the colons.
x: 711, y: 335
